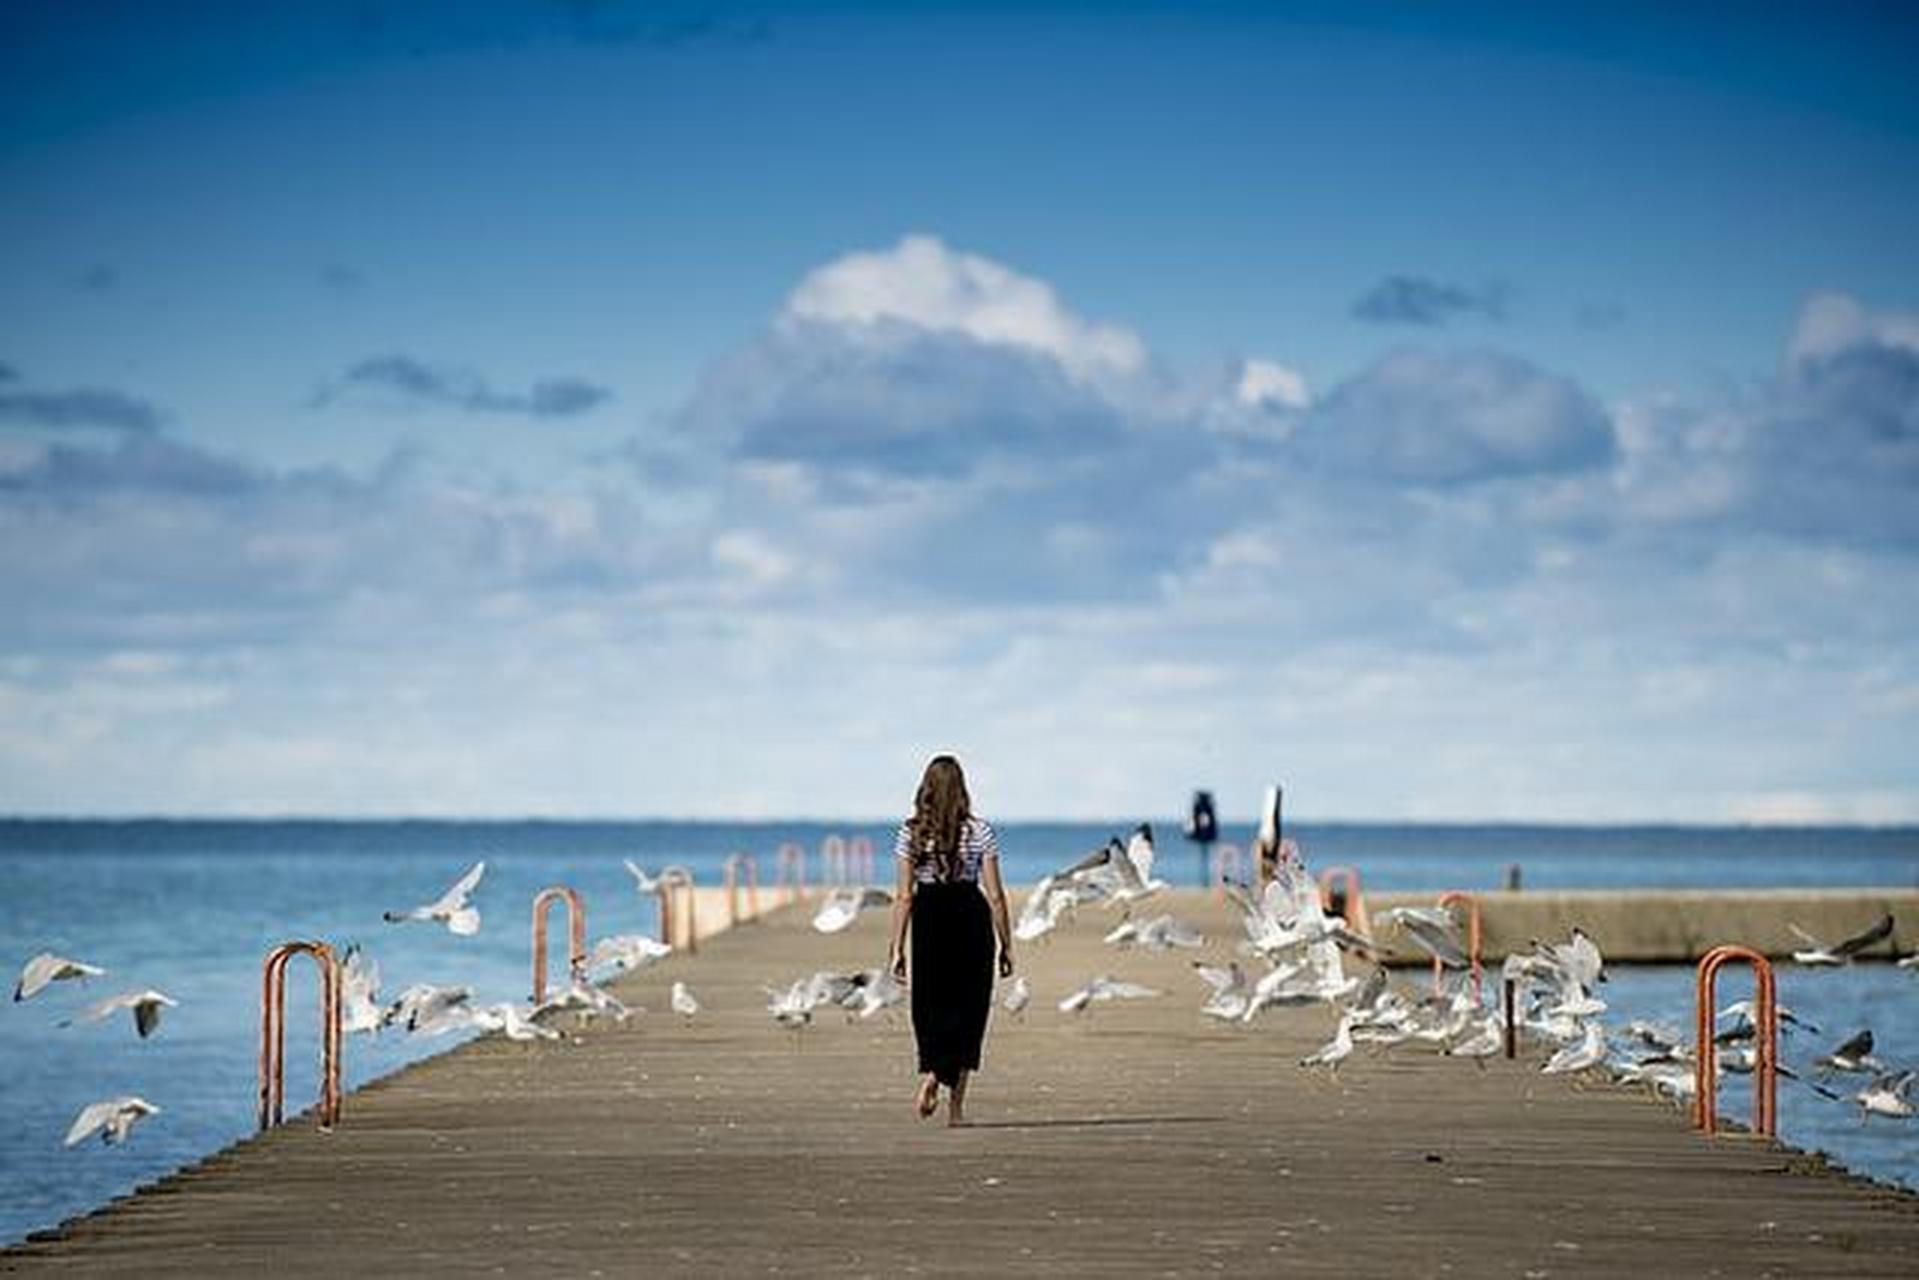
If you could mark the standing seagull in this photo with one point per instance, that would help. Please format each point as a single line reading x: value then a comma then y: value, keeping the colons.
x: 1018, y: 997
x: 114, y: 1117
x: 47, y: 967
x: 684, y: 1002
x: 1820, y: 953
x: 146, y: 1006
x: 450, y: 908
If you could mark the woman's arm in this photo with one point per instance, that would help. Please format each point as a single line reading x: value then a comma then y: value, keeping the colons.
x: 996, y: 899
x: 902, y: 909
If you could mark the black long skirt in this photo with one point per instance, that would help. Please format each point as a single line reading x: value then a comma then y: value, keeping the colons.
x: 952, y: 976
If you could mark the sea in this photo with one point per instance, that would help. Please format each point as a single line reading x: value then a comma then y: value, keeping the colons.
x: 191, y: 907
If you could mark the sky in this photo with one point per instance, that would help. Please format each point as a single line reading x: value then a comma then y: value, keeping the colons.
x: 1455, y: 413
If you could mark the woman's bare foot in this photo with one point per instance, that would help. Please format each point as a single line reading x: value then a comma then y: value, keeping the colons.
x: 928, y: 1097
x: 956, y: 1103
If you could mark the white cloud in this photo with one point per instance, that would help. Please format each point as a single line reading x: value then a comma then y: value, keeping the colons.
x: 922, y: 283
x: 1263, y: 382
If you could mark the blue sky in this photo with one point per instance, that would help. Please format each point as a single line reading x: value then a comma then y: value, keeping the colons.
x: 606, y: 408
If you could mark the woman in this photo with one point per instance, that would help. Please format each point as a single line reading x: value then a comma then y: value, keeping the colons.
x: 948, y: 886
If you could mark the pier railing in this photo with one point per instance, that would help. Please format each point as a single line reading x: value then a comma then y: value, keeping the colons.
x: 735, y: 864
x: 575, y: 936
x: 790, y: 862
x: 1765, y: 1075
x: 833, y: 861
x: 859, y: 854
x: 273, y: 1032
x: 675, y: 886
x: 1349, y: 896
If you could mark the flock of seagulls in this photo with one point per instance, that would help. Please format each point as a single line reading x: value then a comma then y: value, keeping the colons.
x: 422, y: 1009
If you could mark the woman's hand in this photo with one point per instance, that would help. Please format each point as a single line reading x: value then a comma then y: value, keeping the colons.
x: 1005, y: 962
x: 896, y: 965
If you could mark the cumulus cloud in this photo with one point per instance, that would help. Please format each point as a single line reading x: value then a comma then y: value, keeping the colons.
x: 1441, y: 417
x: 1416, y: 300
x: 407, y: 380
x: 923, y: 284
x: 85, y: 407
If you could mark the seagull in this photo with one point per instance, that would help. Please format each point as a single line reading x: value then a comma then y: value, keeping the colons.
x: 627, y: 952
x: 1432, y: 929
x: 589, y: 1000
x: 1112, y: 870
x: 115, y: 1118
x: 1820, y: 953
x: 1104, y: 988
x: 359, y: 991
x: 1044, y: 907
x: 1018, y: 996
x: 1887, y: 1095
x: 1743, y: 1010
x: 1855, y: 1055
x: 793, y: 1007
x: 1230, y: 990
x: 146, y: 1006
x: 450, y: 908
x: 1157, y: 934
x: 1487, y: 1039
x: 1583, y: 1054
x: 683, y: 1001
x: 643, y: 883
x: 873, y: 991
x: 430, y: 1010
x: 1908, y: 962
x: 47, y: 967
x: 843, y: 906
x: 1334, y: 1051
x: 509, y: 1020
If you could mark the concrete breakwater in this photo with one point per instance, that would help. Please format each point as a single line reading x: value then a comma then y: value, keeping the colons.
x: 1674, y: 926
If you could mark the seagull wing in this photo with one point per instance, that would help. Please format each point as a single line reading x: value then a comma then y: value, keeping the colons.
x: 146, y: 1014
x: 455, y: 898
x: 1857, y: 1046
x: 1860, y: 941
x: 1815, y: 943
x: 91, y: 1118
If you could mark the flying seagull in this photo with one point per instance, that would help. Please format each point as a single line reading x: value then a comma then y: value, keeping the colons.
x: 47, y: 967
x: 359, y: 991
x: 643, y: 883
x: 1854, y: 1055
x: 843, y: 906
x: 1842, y: 952
x: 1104, y: 988
x: 1886, y: 1096
x: 146, y: 1006
x: 114, y: 1118
x: 450, y: 908
x: 627, y: 952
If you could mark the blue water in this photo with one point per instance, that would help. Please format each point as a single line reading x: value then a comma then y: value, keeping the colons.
x: 190, y: 907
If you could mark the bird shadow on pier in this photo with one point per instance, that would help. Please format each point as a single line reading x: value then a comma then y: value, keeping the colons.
x: 1089, y: 1122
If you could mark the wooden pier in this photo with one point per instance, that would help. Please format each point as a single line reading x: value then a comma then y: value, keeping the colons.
x: 1136, y: 1138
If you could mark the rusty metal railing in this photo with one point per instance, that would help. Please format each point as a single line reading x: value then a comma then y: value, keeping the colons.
x: 674, y: 882
x: 575, y: 936
x: 734, y: 863
x: 791, y: 863
x: 1352, y: 907
x: 859, y: 856
x: 1448, y: 900
x: 833, y: 860
x: 273, y: 1032
x: 1765, y: 1076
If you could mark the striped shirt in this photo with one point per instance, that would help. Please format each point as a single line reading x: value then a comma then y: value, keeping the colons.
x: 977, y: 844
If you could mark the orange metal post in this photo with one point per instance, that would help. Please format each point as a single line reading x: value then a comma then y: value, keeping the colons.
x: 1765, y: 1081
x: 792, y: 871
x: 1447, y: 900
x: 833, y: 860
x: 273, y: 985
x: 575, y: 933
x: 733, y: 865
x: 1354, y: 912
x: 859, y: 850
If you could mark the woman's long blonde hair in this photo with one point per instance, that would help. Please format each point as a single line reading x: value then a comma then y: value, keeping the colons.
x: 940, y: 812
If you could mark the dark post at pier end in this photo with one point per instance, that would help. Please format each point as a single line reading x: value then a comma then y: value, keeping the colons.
x: 1202, y: 828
